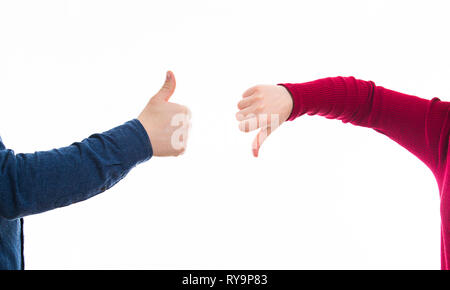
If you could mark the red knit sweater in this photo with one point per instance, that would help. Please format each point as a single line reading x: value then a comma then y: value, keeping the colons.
x: 421, y: 126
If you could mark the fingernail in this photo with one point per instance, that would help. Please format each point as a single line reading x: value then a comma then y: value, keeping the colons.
x: 168, y: 75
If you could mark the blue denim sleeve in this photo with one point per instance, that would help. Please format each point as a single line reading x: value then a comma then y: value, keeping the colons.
x: 45, y: 180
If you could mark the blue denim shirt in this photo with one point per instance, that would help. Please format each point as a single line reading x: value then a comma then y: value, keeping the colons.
x: 45, y: 180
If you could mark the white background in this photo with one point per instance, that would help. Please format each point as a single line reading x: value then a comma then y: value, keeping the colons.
x: 322, y: 194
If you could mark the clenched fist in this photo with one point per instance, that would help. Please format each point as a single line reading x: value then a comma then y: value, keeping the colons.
x: 167, y: 124
x: 263, y: 107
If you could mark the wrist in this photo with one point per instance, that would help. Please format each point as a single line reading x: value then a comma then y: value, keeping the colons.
x: 289, y: 101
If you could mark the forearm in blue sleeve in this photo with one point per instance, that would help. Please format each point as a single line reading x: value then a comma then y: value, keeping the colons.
x: 45, y: 180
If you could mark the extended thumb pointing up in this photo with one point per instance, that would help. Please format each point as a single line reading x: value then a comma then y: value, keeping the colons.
x: 167, y: 89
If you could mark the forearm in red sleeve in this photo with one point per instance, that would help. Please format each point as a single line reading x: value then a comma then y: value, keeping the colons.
x: 417, y: 124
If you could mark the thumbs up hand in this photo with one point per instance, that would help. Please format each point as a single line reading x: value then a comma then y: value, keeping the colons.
x: 167, y: 124
x: 265, y: 107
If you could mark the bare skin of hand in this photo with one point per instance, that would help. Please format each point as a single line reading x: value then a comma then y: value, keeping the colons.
x: 167, y: 124
x: 263, y: 107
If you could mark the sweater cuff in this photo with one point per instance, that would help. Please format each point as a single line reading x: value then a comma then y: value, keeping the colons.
x: 310, y: 97
x: 133, y: 141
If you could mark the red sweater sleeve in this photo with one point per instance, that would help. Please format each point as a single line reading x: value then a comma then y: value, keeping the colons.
x: 419, y: 125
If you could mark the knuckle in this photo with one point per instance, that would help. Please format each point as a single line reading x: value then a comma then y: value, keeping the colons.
x: 259, y: 97
x: 179, y: 108
x: 184, y: 110
x: 258, y: 109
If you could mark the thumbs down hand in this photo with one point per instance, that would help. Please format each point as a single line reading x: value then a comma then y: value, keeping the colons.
x: 263, y: 107
x: 167, y: 124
